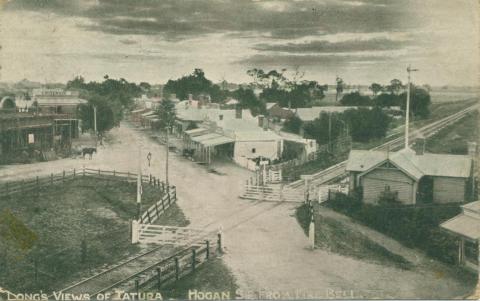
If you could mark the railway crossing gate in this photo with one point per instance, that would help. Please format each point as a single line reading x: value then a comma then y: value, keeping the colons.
x: 168, y: 235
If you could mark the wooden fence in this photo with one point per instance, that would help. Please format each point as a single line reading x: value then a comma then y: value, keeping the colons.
x: 167, y: 198
x: 179, y: 265
x: 22, y: 186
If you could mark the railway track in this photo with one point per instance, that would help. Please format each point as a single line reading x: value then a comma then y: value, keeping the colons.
x: 115, y: 275
x: 338, y: 170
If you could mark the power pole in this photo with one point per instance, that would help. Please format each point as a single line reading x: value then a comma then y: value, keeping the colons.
x: 407, y: 113
x: 166, y: 164
x: 139, y: 182
x: 95, y: 120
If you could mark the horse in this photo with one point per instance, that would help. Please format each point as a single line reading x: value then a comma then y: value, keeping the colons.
x: 89, y: 150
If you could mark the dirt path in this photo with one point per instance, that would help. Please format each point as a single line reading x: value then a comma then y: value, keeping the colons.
x: 267, y: 250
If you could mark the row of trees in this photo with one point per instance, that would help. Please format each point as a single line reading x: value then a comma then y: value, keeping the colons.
x: 362, y: 124
x: 275, y: 86
x: 111, y: 97
x: 393, y: 95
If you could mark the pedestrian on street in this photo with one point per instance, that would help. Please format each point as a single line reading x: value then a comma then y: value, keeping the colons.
x: 149, y: 157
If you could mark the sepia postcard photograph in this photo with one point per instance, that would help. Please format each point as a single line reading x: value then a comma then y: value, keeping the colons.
x: 239, y: 150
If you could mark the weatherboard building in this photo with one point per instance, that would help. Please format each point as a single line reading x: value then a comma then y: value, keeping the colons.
x: 410, y: 177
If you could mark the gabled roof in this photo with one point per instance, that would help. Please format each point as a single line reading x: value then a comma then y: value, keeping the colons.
x: 269, y: 105
x: 415, y: 165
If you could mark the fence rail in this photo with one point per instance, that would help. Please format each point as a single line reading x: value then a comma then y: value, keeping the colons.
x: 178, y: 265
x: 154, y: 211
x: 22, y: 186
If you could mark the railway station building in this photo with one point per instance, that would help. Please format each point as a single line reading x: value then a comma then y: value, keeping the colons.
x: 410, y: 177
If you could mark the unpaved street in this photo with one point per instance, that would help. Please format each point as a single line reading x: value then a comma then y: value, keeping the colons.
x: 266, y: 249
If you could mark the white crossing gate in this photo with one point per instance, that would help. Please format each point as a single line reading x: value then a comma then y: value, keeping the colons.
x: 272, y: 193
x: 168, y: 235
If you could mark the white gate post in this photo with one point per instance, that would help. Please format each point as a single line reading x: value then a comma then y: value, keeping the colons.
x: 135, y: 231
x: 311, y: 233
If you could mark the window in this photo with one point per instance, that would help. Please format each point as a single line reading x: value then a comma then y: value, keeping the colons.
x: 254, y: 150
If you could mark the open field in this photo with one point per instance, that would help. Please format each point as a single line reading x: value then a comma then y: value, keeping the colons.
x: 454, y: 139
x: 76, y: 227
x: 334, y: 236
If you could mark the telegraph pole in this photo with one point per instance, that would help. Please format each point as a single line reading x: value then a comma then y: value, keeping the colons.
x: 166, y: 164
x: 139, y: 181
x: 407, y: 113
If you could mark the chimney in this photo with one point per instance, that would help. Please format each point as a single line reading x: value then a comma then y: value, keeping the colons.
x: 420, y: 146
x: 472, y: 149
x: 238, y: 113
x: 261, y: 120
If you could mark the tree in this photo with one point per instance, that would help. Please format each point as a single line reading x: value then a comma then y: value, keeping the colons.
x: 110, y: 97
x: 166, y: 113
x: 293, y: 125
x: 366, y: 124
x: 395, y: 86
x: 248, y: 100
x: 387, y: 100
x: 339, y: 88
x: 375, y: 88
x: 326, y: 128
x: 195, y: 83
x: 419, y: 101
x: 355, y: 99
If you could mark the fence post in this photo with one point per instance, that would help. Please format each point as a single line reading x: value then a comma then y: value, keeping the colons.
x: 174, y: 194
x: 156, y: 208
x: 84, y: 171
x: 74, y: 172
x: 150, y: 179
x: 159, y: 278
x: 194, y: 255
x: 168, y: 195
x: 137, y: 286
x: 38, y: 184
x: 177, y: 269
x: 219, y: 242
x: 207, y: 242
x: 63, y: 177
x: 51, y: 179
x: 163, y: 203
x: 149, y: 219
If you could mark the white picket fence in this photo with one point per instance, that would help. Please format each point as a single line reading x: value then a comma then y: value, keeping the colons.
x: 168, y: 235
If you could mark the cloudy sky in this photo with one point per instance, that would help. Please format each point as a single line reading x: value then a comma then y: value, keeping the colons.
x: 145, y: 40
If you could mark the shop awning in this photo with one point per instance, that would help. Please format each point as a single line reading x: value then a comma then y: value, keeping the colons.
x: 148, y: 113
x: 212, y: 139
x: 196, y: 132
x: 464, y: 225
x: 205, y: 137
x: 217, y: 141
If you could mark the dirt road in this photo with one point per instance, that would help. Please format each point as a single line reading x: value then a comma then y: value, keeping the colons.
x: 267, y: 250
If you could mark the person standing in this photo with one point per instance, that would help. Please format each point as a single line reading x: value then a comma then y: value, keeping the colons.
x: 149, y: 158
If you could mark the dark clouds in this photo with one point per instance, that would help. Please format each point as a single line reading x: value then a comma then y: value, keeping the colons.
x: 279, y: 19
x: 376, y: 44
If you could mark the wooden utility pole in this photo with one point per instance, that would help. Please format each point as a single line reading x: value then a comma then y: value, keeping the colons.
x: 407, y: 111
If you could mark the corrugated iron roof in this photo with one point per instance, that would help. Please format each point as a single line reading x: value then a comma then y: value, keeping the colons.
x: 415, y: 165
x: 464, y: 225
